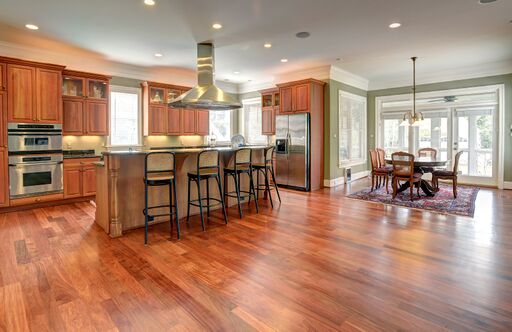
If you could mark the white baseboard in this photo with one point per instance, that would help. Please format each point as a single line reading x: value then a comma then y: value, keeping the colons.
x: 341, y: 180
x: 507, y: 185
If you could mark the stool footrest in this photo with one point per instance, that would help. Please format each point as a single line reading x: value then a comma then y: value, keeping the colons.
x: 233, y: 194
x: 195, y: 202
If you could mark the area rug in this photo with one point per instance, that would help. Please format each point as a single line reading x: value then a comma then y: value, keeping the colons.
x: 443, y: 201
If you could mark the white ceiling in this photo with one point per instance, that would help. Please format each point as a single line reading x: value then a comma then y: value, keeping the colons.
x: 448, y: 36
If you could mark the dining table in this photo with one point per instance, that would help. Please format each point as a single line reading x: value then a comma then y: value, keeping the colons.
x: 423, y: 165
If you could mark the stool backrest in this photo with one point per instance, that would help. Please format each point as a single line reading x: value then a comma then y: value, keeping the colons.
x: 269, y: 155
x: 427, y: 152
x: 160, y: 162
x: 243, y: 156
x: 208, y: 159
x: 403, y: 164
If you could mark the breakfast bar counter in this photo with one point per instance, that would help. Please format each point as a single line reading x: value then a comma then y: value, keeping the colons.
x: 120, y: 186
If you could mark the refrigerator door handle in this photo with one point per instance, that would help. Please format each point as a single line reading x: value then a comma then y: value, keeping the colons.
x: 288, y: 143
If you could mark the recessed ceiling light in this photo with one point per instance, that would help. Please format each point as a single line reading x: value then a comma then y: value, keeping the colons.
x: 284, y: 60
x: 159, y: 55
x: 217, y: 26
x: 395, y: 25
x: 267, y: 45
x: 149, y: 2
x: 31, y: 27
x: 236, y: 72
x: 484, y: 2
x: 302, y: 34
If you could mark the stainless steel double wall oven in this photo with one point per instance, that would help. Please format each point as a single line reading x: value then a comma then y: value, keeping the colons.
x: 35, y: 159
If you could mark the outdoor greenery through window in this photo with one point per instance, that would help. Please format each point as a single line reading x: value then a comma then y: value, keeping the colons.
x: 125, y: 116
x: 251, y: 121
x: 220, y: 125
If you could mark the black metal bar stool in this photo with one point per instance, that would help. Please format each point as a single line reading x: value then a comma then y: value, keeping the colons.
x: 207, y: 167
x: 242, y: 165
x: 160, y: 170
x: 267, y: 168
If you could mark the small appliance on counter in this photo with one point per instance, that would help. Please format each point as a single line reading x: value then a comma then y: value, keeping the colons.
x: 35, y: 159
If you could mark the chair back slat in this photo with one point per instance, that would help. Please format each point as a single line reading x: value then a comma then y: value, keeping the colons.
x: 374, y: 159
x: 269, y: 155
x: 381, y: 154
x: 403, y: 164
x: 427, y: 152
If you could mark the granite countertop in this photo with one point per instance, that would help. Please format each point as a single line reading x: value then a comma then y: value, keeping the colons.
x: 75, y: 154
x: 180, y: 150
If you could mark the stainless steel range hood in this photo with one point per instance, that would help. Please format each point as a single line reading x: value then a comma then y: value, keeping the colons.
x: 206, y: 95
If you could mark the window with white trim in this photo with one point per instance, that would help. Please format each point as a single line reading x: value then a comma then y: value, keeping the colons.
x: 251, y: 121
x: 352, y: 129
x: 220, y: 125
x: 125, y: 116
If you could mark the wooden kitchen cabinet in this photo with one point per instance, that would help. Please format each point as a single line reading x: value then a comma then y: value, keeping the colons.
x: 21, y: 102
x: 297, y: 96
x: 85, y: 103
x: 96, y: 118
x: 174, y: 121
x: 188, y: 118
x: 270, y: 100
x: 202, y: 122
x: 3, y: 120
x: 79, y: 177
x: 158, y: 120
x: 48, y: 95
x: 3, y: 79
x: 4, y: 178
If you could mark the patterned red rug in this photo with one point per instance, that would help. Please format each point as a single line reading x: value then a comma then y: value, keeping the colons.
x: 443, y: 202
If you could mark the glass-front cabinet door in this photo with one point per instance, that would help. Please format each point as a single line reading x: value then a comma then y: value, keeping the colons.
x: 73, y: 86
x: 172, y: 94
x: 157, y: 95
x: 97, y: 89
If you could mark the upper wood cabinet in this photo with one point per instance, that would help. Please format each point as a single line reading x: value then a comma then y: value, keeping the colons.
x: 270, y: 101
x: 33, y: 90
x: 188, y: 120
x: 21, y: 99
x: 85, y: 103
x: 297, y: 96
x: 202, y: 122
x: 48, y: 97
x: 159, y: 118
x: 3, y: 79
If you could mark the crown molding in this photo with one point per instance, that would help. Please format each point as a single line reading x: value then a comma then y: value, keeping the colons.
x: 456, y: 74
x: 254, y: 86
x: 319, y: 73
x: 348, y: 78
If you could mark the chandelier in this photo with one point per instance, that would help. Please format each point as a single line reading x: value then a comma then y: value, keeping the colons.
x: 412, y: 118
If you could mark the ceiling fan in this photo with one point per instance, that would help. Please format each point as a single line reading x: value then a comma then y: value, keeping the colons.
x: 445, y: 99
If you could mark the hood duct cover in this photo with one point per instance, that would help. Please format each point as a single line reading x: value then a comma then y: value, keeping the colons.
x: 206, y: 95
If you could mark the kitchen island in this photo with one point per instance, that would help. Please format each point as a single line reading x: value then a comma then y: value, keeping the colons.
x: 120, y: 186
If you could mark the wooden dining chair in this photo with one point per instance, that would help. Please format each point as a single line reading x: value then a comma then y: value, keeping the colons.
x: 403, y: 170
x: 427, y: 152
x: 383, y: 166
x: 448, y: 175
x: 378, y: 173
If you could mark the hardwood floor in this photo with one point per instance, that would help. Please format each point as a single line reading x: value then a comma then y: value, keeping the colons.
x: 320, y: 261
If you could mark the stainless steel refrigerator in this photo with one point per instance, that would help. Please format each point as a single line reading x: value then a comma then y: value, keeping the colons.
x: 293, y: 151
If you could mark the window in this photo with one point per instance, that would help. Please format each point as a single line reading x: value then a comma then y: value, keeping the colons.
x: 220, y: 125
x: 251, y: 121
x: 352, y: 129
x: 125, y: 129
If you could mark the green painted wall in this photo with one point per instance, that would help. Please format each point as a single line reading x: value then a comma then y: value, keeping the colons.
x: 491, y: 80
x: 331, y: 132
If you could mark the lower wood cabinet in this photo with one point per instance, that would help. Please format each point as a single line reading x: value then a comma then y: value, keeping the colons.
x: 4, y: 178
x: 79, y: 177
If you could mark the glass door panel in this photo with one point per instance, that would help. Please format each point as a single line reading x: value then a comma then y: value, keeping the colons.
x: 72, y: 86
x: 156, y: 95
x: 97, y: 89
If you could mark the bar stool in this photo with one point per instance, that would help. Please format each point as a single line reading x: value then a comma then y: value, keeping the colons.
x: 160, y: 170
x: 266, y: 168
x: 207, y: 167
x: 242, y: 165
